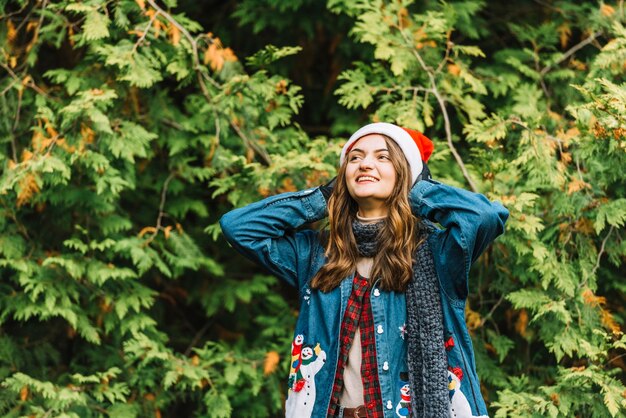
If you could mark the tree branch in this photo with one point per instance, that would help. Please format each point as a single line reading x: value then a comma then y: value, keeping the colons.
x: 17, y: 12
x: 194, y: 46
x: 20, y: 93
x: 247, y: 142
x: 197, y: 337
x: 570, y: 52
x: 43, y: 7
x: 29, y: 83
x: 9, y: 87
x: 446, y: 118
x: 445, y: 59
x: 145, y: 32
x: 157, y: 227
x: 202, y: 76
x: 493, y: 309
x: 601, y: 252
x: 400, y: 89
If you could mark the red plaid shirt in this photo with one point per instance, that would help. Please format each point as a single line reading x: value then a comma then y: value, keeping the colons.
x: 359, y: 315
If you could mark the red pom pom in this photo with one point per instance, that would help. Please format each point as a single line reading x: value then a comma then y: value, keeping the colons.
x: 457, y: 371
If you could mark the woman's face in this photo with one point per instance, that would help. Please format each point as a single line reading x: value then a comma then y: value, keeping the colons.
x: 370, y: 175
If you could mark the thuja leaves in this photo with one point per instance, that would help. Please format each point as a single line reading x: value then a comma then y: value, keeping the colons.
x: 127, y: 129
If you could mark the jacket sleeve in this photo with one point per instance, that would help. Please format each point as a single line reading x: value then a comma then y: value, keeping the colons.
x: 266, y: 232
x: 470, y: 221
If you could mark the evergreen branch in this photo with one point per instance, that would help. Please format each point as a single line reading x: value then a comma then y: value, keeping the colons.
x: 16, y: 78
x: 53, y: 142
x: 9, y: 87
x: 514, y: 120
x: 250, y: 144
x: 544, y: 87
x: 157, y: 227
x: 517, y: 121
x: 8, y: 124
x: 570, y: 52
x: 549, y: 6
x: 197, y: 337
x: 202, y: 76
x: 445, y: 59
x: 601, y: 252
x: 215, y: 144
x: 30, y: 83
x: 173, y: 124
x: 20, y: 227
x: 145, y: 32
x: 194, y: 46
x: 217, y: 126
x: 446, y: 119
x: 43, y: 7
x: 38, y: 28
x: 491, y: 312
x: 20, y: 93
x: 17, y: 12
x: 13, y: 147
x: 399, y: 89
x: 26, y: 19
x: 616, y: 358
x: 580, y: 172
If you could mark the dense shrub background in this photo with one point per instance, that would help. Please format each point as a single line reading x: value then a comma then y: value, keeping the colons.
x: 127, y: 127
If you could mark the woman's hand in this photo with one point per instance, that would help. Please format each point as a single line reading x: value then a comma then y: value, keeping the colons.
x: 327, y: 189
x: 425, y: 174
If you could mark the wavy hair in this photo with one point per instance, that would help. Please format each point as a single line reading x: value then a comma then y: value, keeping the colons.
x: 398, y: 238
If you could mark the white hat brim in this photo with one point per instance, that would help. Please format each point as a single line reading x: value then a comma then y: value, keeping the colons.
x: 399, y: 135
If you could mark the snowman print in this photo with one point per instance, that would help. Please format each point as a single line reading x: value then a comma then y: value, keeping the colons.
x: 459, y: 406
x: 404, y: 406
x: 300, y: 402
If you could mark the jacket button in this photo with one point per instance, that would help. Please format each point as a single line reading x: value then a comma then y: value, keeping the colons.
x: 376, y: 292
x: 385, y: 366
x: 389, y: 405
x: 379, y: 329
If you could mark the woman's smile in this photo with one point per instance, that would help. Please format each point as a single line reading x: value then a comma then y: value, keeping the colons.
x: 366, y: 179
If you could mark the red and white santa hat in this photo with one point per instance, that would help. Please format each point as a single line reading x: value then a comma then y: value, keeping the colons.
x: 415, y: 145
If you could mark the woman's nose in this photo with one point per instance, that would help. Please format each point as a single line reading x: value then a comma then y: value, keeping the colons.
x: 366, y: 162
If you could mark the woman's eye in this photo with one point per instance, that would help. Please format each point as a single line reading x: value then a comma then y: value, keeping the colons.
x: 383, y: 157
x: 354, y: 157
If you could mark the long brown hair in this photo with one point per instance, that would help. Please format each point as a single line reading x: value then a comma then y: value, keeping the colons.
x: 397, y: 240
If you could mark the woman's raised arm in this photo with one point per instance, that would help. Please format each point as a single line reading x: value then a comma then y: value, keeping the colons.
x: 266, y: 232
x: 471, y: 222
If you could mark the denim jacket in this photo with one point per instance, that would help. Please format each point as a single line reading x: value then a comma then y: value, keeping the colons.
x: 269, y: 232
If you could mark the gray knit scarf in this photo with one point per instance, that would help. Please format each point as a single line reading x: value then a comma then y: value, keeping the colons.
x: 426, y: 357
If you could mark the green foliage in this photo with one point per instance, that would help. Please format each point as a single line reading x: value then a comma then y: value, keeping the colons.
x: 128, y: 129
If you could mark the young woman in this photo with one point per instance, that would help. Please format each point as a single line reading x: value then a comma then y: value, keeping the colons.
x: 381, y: 330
